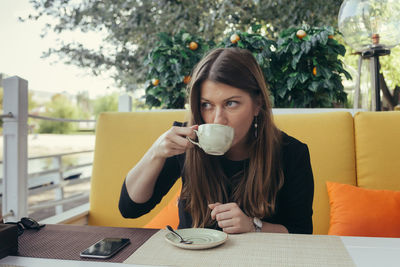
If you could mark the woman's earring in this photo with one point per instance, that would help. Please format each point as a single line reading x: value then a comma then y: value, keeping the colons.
x: 255, y: 127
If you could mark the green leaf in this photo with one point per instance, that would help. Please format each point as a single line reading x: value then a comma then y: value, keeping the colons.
x: 330, y: 30
x: 281, y: 91
x: 160, y: 68
x: 240, y: 44
x: 146, y: 61
x: 323, y: 38
x: 260, y: 59
x: 286, y: 48
x: 165, y: 38
x: 186, y: 37
x: 329, y: 85
x: 347, y: 75
x: 342, y: 50
x: 307, y: 47
x: 314, y: 87
x: 307, y: 38
x: 173, y: 61
x: 256, y: 27
x: 303, y: 77
x: 324, y: 71
x: 295, y: 49
x: 281, y: 42
x: 296, y: 59
x: 184, y: 55
x: 291, y: 82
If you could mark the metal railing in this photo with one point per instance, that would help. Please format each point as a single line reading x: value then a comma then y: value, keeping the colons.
x: 58, y: 119
x: 16, y: 180
x: 57, y: 178
x: 9, y: 115
x: 59, y: 182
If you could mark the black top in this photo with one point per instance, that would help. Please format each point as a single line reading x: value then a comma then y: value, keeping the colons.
x: 294, y: 199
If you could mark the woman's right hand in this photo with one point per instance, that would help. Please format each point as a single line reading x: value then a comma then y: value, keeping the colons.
x: 174, y: 142
x: 141, y: 179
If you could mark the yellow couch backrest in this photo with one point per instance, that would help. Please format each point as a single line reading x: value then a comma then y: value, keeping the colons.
x: 377, y: 139
x: 330, y: 140
x: 123, y: 138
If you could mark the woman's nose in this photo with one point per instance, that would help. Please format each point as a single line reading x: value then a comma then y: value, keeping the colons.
x: 220, y: 117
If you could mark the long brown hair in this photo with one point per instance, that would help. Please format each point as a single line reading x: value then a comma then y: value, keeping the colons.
x: 205, y: 180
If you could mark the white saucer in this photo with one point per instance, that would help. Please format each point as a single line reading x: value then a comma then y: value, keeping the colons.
x: 202, y: 238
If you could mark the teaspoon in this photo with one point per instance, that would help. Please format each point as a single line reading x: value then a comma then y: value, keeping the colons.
x: 182, y: 240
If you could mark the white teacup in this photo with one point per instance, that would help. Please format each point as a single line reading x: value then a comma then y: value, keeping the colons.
x: 214, y: 139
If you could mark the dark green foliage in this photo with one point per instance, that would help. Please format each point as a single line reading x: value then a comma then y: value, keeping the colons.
x: 131, y: 26
x: 169, y: 61
x: 287, y: 66
x: 294, y: 84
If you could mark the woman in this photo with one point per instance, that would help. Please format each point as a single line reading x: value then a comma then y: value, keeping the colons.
x: 263, y: 183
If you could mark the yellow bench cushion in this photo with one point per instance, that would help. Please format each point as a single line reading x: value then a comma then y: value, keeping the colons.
x: 330, y: 140
x: 377, y: 138
x: 121, y: 140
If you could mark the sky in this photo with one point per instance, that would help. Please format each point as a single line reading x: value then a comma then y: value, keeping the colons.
x: 21, y: 48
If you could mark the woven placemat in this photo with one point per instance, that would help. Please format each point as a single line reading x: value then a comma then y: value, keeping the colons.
x: 252, y: 249
x: 68, y: 241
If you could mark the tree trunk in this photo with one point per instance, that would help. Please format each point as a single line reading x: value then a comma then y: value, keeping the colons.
x: 386, y: 93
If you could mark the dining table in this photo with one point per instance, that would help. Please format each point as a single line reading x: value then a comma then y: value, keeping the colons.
x: 60, y: 245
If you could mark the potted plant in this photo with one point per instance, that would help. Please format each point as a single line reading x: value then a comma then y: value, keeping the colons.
x: 302, y: 68
x: 308, y: 69
x: 170, y: 63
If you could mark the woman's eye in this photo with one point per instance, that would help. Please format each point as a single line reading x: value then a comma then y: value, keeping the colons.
x: 232, y: 103
x: 205, y: 105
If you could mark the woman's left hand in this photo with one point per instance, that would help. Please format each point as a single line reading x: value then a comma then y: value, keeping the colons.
x: 231, y: 218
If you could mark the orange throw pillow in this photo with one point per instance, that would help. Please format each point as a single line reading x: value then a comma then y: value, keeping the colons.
x: 358, y: 211
x: 169, y: 215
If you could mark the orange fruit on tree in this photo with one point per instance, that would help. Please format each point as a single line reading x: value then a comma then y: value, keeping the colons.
x: 234, y: 38
x: 314, y: 71
x: 186, y: 80
x: 193, y: 46
x: 155, y: 82
x: 301, y: 34
x: 330, y: 36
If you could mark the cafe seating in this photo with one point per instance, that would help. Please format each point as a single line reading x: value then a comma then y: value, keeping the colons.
x: 362, y: 151
x: 121, y: 140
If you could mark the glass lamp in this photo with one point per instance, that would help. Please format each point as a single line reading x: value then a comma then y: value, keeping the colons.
x: 372, y: 28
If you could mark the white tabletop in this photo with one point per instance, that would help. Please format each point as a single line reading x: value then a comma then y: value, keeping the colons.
x: 373, y: 251
x: 365, y: 252
x: 13, y: 261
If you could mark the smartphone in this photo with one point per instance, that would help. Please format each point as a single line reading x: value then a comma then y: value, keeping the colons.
x: 105, y: 248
